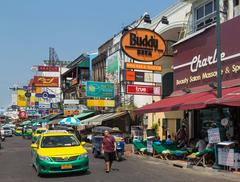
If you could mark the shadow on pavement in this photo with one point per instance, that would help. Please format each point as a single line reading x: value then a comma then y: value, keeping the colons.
x: 61, y: 175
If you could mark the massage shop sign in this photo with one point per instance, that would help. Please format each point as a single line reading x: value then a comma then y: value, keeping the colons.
x: 195, y: 61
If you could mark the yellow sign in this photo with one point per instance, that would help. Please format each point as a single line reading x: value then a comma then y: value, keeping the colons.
x: 21, y: 98
x: 101, y: 103
x: 148, y: 67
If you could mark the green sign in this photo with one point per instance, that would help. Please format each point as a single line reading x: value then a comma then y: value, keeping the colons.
x: 100, y: 89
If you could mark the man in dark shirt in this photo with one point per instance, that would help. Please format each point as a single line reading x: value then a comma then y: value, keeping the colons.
x: 109, y: 147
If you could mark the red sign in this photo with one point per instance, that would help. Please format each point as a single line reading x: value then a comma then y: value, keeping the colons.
x: 22, y: 115
x: 44, y: 81
x: 48, y: 68
x: 143, y: 90
x: 195, y: 62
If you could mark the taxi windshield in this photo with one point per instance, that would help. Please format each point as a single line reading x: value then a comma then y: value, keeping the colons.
x: 40, y: 131
x: 59, y: 141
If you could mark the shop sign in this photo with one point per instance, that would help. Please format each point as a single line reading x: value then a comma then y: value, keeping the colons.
x: 45, y: 95
x: 214, y: 135
x: 143, y: 77
x: 44, y: 81
x: 101, y: 103
x: 226, y: 157
x: 21, y: 98
x: 48, y: 68
x: 195, y: 62
x: 22, y: 115
x: 68, y: 101
x: 148, y: 67
x: 143, y: 45
x: 71, y: 109
x: 100, y: 89
x: 143, y: 90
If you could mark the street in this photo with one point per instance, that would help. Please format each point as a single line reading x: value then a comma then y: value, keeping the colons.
x: 16, y: 165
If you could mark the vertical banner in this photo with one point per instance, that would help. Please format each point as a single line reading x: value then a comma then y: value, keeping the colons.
x: 21, y: 98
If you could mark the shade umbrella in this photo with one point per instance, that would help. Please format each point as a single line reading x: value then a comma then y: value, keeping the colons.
x: 70, y: 121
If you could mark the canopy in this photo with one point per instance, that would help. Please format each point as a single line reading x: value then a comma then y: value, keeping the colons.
x: 84, y: 115
x: 230, y: 97
x: 98, y: 119
x: 25, y: 123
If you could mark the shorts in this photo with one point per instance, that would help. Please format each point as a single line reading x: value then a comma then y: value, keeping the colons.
x: 109, y: 156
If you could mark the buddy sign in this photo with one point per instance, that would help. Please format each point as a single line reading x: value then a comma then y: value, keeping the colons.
x: 143, y: 45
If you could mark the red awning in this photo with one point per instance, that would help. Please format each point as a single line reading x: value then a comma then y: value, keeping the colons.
x: 231, y: 97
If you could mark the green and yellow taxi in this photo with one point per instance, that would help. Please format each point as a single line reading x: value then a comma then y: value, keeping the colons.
x: 18, y: 131
x: 59, y: 152
x: 37, y: 133
x: 27, y: 132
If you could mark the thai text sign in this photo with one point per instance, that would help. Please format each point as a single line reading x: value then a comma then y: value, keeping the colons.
x: 148, y: 67
x: 214, y: 135
x: 226, y: 157
x: 48, y: 68
x: 143, y: 90
x: 195, y: 63
x: 101, y: 103
x: 44, y: 81
x: 100, y: 89
x: 143, y: 45
x: 71, y: 109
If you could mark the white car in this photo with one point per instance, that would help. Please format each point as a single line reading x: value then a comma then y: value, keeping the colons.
x: 6, y: 131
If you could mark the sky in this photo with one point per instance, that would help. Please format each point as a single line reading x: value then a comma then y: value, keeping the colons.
x: 28, y: 28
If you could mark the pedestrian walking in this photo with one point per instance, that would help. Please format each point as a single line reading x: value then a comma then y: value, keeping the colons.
x: 109, y: 148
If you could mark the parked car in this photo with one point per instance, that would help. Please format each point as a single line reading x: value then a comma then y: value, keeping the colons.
x: 6, y: 131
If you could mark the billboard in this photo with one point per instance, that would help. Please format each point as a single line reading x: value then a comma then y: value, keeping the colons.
x: 48, y: 68
x: 100, y: 89
x: 44, y: 81
x: 112, y: 67
x: 21, y: 98
x: 101, y: 103
x: 143, y: 90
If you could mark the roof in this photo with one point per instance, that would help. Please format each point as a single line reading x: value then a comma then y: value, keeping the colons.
x: 56, y: 133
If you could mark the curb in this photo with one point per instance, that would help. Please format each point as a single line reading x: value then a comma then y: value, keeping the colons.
x: 179, y: 164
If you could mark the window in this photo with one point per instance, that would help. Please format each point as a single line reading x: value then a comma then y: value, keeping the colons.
x: 236, y: 2
x: 204, y: 15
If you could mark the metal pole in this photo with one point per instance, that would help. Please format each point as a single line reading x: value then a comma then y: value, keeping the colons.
x: 219, y: 76
x: 218, y: 47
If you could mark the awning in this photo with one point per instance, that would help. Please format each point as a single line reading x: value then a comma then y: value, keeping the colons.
x: 230, y: 97
x: 98, y: 119
x: 83, y: 115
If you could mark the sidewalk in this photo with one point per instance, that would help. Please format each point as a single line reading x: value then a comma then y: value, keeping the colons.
x: 182, y: 164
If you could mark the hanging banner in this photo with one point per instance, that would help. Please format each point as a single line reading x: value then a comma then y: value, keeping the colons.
x: 143, y: 90
x: 143, y: 45
x: 44, y: 81
x: 101, y: 103
x: 100, y: 89
x: 21, y: 98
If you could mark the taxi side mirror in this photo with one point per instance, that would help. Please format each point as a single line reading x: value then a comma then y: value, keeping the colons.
x: 83, y: 143
x: 34, y: 146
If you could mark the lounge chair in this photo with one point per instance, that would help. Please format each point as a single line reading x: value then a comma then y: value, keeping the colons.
x: 139, y: 147
x: 202, y: 158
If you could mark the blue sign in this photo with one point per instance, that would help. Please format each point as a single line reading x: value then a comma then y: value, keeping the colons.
x: 45, y: 95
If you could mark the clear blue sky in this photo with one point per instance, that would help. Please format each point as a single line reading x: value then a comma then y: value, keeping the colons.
x: 28, y: 28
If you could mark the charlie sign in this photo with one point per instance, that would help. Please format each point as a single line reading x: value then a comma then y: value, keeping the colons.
x: 195, y: 59
x: 143, y: 45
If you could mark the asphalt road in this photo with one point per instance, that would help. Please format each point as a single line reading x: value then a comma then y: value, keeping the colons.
x: 15, y: 166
